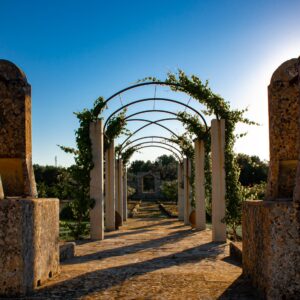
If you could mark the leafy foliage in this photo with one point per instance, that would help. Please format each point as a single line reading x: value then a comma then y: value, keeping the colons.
x: 170, y: 190
x: 216, y: 105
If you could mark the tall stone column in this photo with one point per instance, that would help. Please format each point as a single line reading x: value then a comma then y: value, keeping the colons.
x: 180, y: 191
x: 271, y: 228
x: 119, y: 189
x: 96, y: 184
x: 125, y: 210
x: 110, y: 188
x: 218, y: 180
x: 29, y: 227
x: 15, y: 132
x: 187, y: 190
x: 199, y: 185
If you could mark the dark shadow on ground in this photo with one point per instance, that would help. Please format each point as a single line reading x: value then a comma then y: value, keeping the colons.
x: 101, y: 280
x: 240, y: 289
x: 118, y: 234
x: 134, y: 248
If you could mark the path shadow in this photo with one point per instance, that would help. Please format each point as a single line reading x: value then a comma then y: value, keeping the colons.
x: 118, y: 234
x: 102, y: 280
x: 241, y: 288
x: 133, y: 248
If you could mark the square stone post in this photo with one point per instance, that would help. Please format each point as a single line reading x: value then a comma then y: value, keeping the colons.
x: 110, y: 188
x: 199, y: 185
x: 119, y: 188
x: 96, y: 183
x: 125, y: 213
x: 187, y: 190
x: 29, y: 227
x: 218, y: 180
x: 180, y: 200
x: 271, y: 227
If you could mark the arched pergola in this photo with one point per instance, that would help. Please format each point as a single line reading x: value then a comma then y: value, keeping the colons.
x: 116, y: 174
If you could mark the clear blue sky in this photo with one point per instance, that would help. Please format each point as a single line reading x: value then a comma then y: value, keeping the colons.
x: 74, y: 51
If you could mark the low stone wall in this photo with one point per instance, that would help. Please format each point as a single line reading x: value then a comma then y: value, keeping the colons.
x: 271, y: 249
x: 29, y: 244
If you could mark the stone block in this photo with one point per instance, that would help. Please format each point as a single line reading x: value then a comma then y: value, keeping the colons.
x: 271, y: 247
x: 29, y: 243
x: 67, y: 250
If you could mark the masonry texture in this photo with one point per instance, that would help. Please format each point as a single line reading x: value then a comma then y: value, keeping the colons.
x: 29, y: 249
x: 271, y: 228
x: 15, y: 132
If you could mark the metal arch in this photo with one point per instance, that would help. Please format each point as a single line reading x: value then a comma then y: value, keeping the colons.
x: 148, y: 137
x: 146, y: 125
x: 151, y: 110
x: 157, y: 146
x: 138, y: 85
x: 157, y: 142
x: 159, y: 99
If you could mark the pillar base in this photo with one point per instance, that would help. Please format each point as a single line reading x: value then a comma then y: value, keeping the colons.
x: 29, y: 244
x: 271, y: 250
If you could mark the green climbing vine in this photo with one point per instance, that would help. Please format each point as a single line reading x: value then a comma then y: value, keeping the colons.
x: 80, y: 172
x: 216, y: 105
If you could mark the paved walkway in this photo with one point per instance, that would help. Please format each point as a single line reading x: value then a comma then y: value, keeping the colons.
x: 152, y: 258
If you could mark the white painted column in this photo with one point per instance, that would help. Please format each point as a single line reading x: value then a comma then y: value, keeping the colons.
x: 218, y: 180
x: 96, y: 182
x: 187, y: 191
x: 199, y: 185
x: 110, y: 188
x: 180, y: 201
x: 125, y: 212
x: 119, y: 204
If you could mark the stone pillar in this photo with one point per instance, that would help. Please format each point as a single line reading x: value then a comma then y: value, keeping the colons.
x: 15, y: 132
x: 119, y: 189
x: 125, y: 211
x: 110, y: 188
x: 180, y: 200
x: 96, y: 184
x: 271, y: 228
x: 218, y: 180
x: 200, y: 185
x: 187, y: 189
x: 29, y: 227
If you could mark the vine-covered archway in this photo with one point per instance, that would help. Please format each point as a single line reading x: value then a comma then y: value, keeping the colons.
x: 196, y: 126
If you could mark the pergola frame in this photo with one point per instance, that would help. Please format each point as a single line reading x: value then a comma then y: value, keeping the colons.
x: 115, y: 171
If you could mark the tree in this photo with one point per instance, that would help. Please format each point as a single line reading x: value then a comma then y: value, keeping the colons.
x: 253, y: 170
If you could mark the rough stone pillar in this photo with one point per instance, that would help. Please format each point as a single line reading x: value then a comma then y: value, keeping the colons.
x: 271, y: 228
x: 110, y: 188
x: 119, y: 189
x: 180, y: 192
x: 15, y: 132
x: 218, y: 180
x: 96, y: 184
x: 200, y: 185
x: 29, y: 227
x: 125, y: 211
x: 187, y: 189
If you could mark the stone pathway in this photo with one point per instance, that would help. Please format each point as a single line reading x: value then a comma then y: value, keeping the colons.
x: 150, y: 210
x: 149, y: 258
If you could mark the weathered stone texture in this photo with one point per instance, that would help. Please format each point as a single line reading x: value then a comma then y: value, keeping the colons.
x: 271, y: 247
x: 271, y: 228
x: 15, y: 132
x: 284, y: 128
x: 29, y: 249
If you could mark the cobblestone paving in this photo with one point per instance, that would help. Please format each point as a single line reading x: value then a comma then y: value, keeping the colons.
x: 152, y: 258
